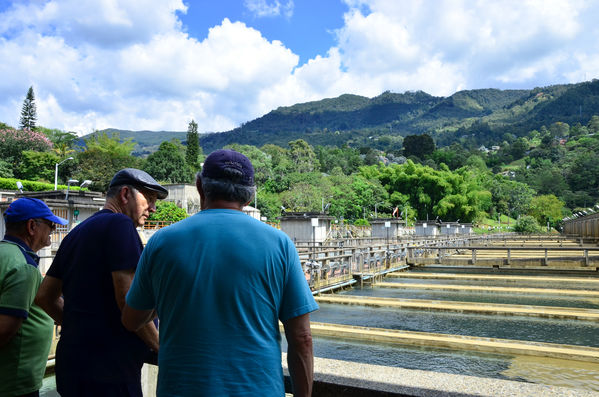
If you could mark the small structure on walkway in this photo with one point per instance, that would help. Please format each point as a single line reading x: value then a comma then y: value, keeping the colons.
x: 426, y: 228
x: 387, y: 227
x: 465, y: 228
x: 79, y: 206
x: 184, y: 195
x: 306, y: 226
x: 449, y: 228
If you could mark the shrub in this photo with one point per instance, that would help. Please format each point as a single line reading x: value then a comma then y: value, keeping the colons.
x: 527, y: 225
x: 167, y: 211
x: 31, y: 186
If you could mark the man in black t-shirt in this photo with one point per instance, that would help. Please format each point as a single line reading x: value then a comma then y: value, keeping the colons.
x: 84, y: 291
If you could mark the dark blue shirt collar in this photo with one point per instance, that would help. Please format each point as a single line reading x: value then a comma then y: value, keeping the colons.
x: 31, y: 257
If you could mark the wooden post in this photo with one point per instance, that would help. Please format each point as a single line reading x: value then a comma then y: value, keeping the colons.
x: 474, y: 256
x: 509, y: 256
x: 586, y: 257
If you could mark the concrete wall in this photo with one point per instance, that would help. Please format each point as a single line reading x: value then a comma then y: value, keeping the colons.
x: 301, y: 229
x: 378, y: 228
x: 449, y: 229
x: 584, y: 226
x: 426, y: 229
x: 184, y: 195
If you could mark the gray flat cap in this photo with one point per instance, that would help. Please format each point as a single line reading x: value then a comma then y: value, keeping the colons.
x: 135, y: 177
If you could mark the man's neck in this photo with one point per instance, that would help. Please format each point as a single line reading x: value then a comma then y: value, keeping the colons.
x: 14, y: 237
x: 113, y: 206
x: 222, y: 205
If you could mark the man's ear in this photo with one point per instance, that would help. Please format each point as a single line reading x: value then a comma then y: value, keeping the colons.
x: 199, y: 187
x: 125, y: 194
x: 30, y: 227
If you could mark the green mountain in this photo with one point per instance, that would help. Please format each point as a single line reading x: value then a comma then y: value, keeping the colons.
x: 485, y: 115
x: 146, y: 142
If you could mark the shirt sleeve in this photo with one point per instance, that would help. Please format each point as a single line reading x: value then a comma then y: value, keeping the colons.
x: 141, y: 296
x: 19, y: 287
x: 123, y: 245
x: 297, y: 296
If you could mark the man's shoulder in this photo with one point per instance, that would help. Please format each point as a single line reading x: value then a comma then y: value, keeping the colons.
x: 103, y: 219
x: 13, y: 261
x: 11, y: 253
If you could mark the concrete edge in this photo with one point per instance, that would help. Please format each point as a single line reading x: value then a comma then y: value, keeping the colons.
x: 336, y: 377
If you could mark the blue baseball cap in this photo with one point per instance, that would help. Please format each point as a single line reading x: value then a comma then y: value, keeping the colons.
x: 229, y: 165
x: 26, y: 208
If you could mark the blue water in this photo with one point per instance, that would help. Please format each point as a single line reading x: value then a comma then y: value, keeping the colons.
x: 492, y: 326
x: 422, y: 358
x: 578, y: 285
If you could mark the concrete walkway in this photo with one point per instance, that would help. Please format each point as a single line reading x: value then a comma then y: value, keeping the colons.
x: 492, y: 277
x: 478, y: 288
x: 339, y: 378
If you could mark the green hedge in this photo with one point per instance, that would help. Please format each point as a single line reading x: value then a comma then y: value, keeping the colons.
x: 32, y: 186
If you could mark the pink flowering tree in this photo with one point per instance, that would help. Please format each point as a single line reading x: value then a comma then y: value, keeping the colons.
x: 14, y: 142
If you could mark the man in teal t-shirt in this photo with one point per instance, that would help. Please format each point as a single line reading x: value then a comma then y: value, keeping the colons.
x: 220, y: 282
x: 25, y: 329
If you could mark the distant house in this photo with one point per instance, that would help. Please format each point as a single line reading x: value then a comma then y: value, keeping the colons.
x: 483, y: 149
x: 426, y: 228
x: 306, y: 226
x: 79, y: 206
x: 184, y: 195
x: 495, y: 148
x: 379, y: 227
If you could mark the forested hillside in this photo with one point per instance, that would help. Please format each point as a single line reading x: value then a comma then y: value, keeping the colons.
x: 474, y: 155
x: 486, y: 114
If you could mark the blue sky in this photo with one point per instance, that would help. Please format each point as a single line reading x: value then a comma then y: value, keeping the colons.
x: 157, y: 64
x: 308, y: 30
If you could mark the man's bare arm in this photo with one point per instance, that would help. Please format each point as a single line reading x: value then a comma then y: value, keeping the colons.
x: 9, y: 326
x: 122, y: 280
x: 300, y: 357
x: 49, y: 298
x: 134, y: 319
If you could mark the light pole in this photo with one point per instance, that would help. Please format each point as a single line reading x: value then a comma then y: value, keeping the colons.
x: 69, y: 186
x: 56, y: 172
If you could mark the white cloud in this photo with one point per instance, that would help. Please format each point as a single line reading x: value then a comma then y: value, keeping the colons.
x: 262, y: 8
x: 486, y: 43
x: 128, y: 63
x: 160, y: 82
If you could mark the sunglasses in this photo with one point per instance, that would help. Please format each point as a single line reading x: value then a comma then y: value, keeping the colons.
x: 51, y: 225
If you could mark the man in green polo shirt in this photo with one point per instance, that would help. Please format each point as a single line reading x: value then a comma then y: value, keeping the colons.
x: 25, y: 329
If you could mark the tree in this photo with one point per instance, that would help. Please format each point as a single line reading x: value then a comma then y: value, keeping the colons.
x: 547, y: 208
x: 193, y: 151
x: 303, y: 156
x: 519, y: 148
x: 38, y: 166
x: 14, y: 142
x: 527, y: 225
x: 167, y: 164
x: 167, y: 211
x: 62, y: 141
x: 593, y: 125
x: 28, y: 112
x: 103, y: 157
x: 418, y: 145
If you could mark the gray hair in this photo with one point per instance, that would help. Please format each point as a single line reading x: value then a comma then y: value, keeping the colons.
x: 113, y: 191
x: 218, y: 189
